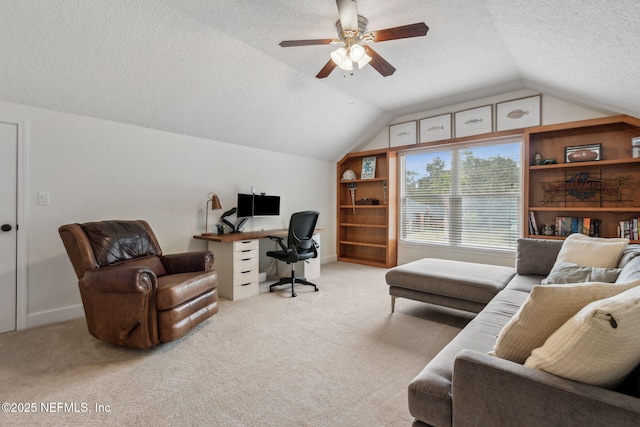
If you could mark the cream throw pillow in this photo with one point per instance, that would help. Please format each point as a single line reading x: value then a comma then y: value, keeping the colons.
x: 592, y: 251
x: 544, y: 311
x: 600, y: 345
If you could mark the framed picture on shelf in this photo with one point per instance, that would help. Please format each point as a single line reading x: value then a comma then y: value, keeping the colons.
x: 435, y: 128
x: 403, y: 134
x: 518, y: 113
x: 368, y: 167
x: 583, y: 153
x: 474, y: 121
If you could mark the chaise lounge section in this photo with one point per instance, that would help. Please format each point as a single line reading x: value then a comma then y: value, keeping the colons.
x: 465, y: 386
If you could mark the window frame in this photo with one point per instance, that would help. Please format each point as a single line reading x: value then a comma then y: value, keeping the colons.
x: 447, y: 146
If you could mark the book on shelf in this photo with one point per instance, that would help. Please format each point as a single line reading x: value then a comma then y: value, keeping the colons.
x: 533, y: 228
x: 628, y: 229
x: 566, y: 225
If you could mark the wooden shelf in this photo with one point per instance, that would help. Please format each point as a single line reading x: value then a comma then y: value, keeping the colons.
x: 584, y: 164
x: 346, y: 224
x: 366, y: 234
x: 614, y: 136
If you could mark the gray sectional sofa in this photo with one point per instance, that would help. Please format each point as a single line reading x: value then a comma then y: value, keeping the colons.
x: 464, y: 386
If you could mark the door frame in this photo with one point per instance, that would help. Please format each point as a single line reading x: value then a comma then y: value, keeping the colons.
x: 21, y: 217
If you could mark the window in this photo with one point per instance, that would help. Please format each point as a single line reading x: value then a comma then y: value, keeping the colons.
x: 463, y: 194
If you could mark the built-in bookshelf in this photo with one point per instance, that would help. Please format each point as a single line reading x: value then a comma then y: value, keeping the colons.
x: 606, y: 190
x: 366, y: 231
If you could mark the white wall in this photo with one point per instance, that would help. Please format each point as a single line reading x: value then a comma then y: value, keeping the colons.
x: 96, y: 169
x: 553, y: 111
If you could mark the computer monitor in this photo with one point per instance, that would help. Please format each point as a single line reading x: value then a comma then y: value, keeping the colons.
x: 245, y: 205
x: 257, y: 205
x: 264, y: 205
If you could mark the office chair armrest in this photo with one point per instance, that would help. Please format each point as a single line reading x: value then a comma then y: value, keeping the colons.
x: 279, y: 240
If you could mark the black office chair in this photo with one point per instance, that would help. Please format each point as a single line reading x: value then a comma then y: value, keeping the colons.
x: 300, y: 246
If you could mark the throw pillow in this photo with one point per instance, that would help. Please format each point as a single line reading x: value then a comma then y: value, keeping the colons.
x: 544, y: 311
x: 592, y: 251
x: 630, y: 272
x: 600, y: 345
x: 567, y: 272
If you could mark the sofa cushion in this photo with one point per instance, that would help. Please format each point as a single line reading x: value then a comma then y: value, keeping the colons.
x: 455, y: 279
x: 536, y: 256
x: 630, y: 272
x: 430, y: 390
x: 544, y: 311
x: 600, y: 345
x: 568, y: 272
x: 592, y: 251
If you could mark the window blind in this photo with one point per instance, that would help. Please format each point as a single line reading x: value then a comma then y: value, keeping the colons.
x: 462, y: 195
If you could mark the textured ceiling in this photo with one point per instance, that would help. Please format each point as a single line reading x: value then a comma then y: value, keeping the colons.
x: 213, y: 69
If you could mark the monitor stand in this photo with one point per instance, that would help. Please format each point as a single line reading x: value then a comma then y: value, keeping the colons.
x: 238, y: 226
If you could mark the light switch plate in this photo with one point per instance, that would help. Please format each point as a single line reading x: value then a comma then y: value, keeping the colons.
x: 43, y: 198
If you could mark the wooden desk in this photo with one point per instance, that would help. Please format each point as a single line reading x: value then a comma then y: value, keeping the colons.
x: 249, y: 235
x: 237, y: 261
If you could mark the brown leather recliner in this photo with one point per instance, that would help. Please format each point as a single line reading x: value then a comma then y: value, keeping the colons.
x: 134, y: 296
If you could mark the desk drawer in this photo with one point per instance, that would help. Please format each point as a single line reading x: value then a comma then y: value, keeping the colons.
x: 244, y: 277
x: 245, y: 255
x: 246, y: 264
x: 243, y: 245
x: 246, y: 290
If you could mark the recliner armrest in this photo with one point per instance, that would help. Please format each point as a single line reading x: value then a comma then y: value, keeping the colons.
x: 188, y: 262
x: 120, y: 279
x: 488, y: 390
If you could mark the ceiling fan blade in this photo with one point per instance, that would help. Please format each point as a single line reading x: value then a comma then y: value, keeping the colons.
x: 404, y: 32
x: 326, y: 70
x: 293, y: 43
x: 348, y: 12
x: 379, y: 63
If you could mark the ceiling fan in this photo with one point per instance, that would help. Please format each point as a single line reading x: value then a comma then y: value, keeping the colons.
x: 352, y: 30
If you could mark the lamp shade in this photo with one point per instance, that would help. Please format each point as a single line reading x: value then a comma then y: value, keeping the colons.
x: 215, y: 203
x: 339, y: 56
x: 356, y: 53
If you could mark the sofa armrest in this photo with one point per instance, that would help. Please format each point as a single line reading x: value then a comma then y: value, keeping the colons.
x: 188, y: 262
x: 489, y: 391
x: 120, y: 279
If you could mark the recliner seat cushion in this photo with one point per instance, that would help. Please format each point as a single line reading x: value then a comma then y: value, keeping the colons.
x: 176, y: 289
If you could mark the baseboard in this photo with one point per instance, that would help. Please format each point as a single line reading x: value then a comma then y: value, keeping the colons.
x: 54, y: 316
x: 328, y: 259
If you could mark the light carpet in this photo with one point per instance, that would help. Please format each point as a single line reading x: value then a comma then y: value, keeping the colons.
x: 336, y: 357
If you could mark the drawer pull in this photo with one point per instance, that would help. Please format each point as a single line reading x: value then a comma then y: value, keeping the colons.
x: 246, y: 284
x: 246, y: 259
x: 245, y: 272
x: 246, y: 250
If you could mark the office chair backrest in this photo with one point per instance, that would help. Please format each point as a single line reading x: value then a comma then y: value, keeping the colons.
x: 301, y: 229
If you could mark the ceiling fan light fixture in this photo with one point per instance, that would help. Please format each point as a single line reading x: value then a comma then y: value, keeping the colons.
x: 339, y: 56
x: 356, y: 53
x: 364, y: 61
x: 347, y: 65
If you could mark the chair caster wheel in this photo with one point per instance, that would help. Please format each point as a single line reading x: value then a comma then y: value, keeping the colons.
x: 294, y: 295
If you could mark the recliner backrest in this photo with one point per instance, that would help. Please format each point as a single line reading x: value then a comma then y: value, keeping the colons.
x: 114, y: 242
x: 101, y: 244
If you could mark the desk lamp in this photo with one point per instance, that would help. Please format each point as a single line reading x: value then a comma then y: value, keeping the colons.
x: 215, y: 205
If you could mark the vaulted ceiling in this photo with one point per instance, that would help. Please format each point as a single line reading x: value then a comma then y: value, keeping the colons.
x: 213, y: 68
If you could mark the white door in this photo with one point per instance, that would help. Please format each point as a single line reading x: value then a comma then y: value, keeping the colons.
x: 8, y: 220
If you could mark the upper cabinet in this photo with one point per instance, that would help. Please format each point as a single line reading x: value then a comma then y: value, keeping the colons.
x: 366, y: 229
x: 581, y: 177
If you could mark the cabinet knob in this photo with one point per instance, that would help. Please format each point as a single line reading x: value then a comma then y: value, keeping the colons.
x: 6, y: 227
